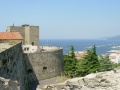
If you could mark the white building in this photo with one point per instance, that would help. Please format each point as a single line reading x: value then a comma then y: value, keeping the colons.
x: 115, y: 56
x: 29, y: 48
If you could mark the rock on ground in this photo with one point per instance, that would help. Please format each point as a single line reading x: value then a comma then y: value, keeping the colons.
x: 108, y: 80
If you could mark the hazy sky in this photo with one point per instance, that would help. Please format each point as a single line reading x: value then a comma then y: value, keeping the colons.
x: 64, y: 19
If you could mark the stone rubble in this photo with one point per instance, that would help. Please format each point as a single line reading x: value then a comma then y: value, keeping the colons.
x: 109, y: 80
x: 7, y: 84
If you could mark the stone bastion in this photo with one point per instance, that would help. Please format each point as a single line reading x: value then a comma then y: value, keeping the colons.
x: 46, y: 63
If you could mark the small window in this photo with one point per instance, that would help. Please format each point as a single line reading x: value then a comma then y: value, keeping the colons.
x: 44, y: 68
x: 27, y: 49
x: 24, y: 49
x: 32, y: 43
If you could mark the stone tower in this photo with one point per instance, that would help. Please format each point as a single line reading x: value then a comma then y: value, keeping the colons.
x: 30, y: 34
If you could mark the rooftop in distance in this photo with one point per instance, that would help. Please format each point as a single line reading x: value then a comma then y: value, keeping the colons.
x: 10, y: 36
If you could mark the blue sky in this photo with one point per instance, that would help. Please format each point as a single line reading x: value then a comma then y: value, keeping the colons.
x: 64, y: 19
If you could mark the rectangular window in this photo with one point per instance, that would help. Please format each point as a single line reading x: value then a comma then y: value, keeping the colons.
x: 27, y: 49
x: 24, y: 49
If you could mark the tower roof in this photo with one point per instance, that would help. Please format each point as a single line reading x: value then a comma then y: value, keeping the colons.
x: 10, y: 36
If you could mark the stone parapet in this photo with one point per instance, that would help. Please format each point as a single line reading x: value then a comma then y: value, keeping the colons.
x: 49, y: 48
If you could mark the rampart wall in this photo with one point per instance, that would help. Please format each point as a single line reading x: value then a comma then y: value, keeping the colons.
x: 45, y: 64
x: 12, y: 66
x: 30, y: 67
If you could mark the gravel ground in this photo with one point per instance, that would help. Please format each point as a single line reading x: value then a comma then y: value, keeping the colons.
x: 48, y: 82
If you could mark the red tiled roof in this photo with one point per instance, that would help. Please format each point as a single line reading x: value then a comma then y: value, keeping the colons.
x: 10, y: 36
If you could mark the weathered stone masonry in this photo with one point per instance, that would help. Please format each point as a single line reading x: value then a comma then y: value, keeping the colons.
x: 12, y: 66
x: 46, y: 62
x: 45, y: 65
x: 30, y: 34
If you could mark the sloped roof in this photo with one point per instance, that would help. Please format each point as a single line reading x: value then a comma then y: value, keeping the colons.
x: 10, y: 36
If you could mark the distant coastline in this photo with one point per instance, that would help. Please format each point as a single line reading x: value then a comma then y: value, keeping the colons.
x: 103, y: 46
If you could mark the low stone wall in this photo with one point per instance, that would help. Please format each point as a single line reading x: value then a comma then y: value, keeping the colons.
x: 12, y: 65
x: 45, y: 64
x: 49, y: 48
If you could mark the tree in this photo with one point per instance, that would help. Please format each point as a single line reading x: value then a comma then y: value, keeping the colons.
x: 89, y: 63
x: 71, y: 52
x: 70, y: 63
x: 105, y: 63
x: 70, y: 66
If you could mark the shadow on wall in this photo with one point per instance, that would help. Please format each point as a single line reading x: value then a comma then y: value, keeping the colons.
x: 15, y: 65
x: 32, y: 78
x: 44, y: 65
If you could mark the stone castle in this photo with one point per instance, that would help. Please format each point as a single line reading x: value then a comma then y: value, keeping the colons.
x: 30, y: 34
x: 26, y: 61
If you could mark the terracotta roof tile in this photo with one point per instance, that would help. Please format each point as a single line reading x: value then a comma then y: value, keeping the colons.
x: 10, y: 36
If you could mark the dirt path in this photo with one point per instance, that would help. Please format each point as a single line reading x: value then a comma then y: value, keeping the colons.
x: 48, y: 81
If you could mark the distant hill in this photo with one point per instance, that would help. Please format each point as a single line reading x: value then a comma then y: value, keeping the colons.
x: 114, y: 38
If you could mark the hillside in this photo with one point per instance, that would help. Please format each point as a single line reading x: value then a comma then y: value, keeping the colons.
x: 114, y: 38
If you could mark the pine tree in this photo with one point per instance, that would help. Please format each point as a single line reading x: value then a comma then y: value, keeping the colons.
x: 71, y: 52
x: 70, y: 63
x: 89, y: 63
x: 105, y: 63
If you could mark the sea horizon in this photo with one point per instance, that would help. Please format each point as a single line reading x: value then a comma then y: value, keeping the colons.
x: 103, y: 46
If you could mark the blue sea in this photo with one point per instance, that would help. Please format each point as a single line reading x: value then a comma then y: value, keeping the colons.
x: 102, y: 45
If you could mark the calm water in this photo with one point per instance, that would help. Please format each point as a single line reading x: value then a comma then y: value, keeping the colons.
x: 102, y: 45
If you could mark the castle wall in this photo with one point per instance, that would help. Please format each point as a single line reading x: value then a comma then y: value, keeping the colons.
x: 45, y: 64
x: 27, y: 35
x: 12, y: 65
x: 12, y: 42
x: 30, y: 34
x: 34, y: 35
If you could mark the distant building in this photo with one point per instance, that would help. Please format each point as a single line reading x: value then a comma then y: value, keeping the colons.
x: 115, y: 57
x: 79, y: 55
x: 29, y: 48
x: 30, y: 34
